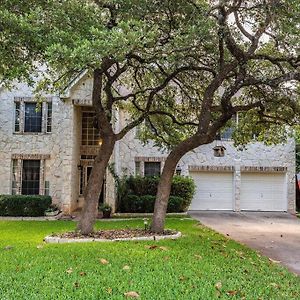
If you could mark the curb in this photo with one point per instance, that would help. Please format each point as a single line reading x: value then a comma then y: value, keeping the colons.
x: 58, y: 240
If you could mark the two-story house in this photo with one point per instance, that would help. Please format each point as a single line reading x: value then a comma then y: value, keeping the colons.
x: 50, y: 151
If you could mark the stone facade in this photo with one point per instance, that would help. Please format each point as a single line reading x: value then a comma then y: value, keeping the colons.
x: 257, y: 157
x: 61, y: 151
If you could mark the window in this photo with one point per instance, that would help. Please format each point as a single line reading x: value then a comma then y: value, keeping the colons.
x: 17, y: 117
x: 226, y: 133
x: 137, y: 168
x: 49, y: 117
x: 47, y: 188
x: 28, y: 172
x: 32, y: 118
x: 151, y: 168
x: 31, y: 177
x: 15, y: 176
x: 90, y: 135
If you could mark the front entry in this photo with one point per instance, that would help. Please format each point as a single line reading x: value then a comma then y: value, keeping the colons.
x: 85, y: 172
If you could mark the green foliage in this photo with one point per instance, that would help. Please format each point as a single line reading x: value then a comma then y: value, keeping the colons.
x: 131, y: 203
x: 298, y: 158
x: 141, y: 192
x: 140, y: 186
x: 80, y: 34
x: 183, y: 187
x: 23, y: 205
x: 188, y: 269
x: 145, y: 204
x: 105, y: 207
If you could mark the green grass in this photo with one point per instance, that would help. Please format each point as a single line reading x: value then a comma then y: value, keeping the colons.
x: 31, y: 272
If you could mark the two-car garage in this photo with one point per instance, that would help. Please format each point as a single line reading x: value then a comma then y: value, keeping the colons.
x: 253, y: 191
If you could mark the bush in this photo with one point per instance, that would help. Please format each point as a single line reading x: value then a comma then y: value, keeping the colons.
x: 183, y: 187
x: 175, y: 204
x: 148, y: 203
x: 23, y: 205
x: 141, y: 192
x: 141, y: 186
x: 145, y: 204
x: 131, y: 203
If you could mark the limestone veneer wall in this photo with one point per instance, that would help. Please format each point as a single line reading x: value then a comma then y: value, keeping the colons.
x: 58, y: 144
x: 255, y: 155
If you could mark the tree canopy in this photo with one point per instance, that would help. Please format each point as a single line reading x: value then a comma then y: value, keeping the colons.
x: 188, y: 67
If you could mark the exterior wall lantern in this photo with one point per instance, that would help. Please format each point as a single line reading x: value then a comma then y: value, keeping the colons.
x: 178, y: 170
x: 219, y: 151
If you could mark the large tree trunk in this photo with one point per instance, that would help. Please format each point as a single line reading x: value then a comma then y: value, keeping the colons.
x: 94, y: 187
x: 164, y: 186
x: 163, y: 192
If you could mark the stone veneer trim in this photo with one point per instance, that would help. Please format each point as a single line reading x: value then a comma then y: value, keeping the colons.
x: 31, y: 99
x: 263, y: 169
x: 150, y: 159
x: 194, y: 168
x: 30, y: 156
x: 89, y: 150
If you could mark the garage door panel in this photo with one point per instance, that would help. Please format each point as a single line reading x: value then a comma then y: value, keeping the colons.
x: 214, y: 191
x: 263, y: 192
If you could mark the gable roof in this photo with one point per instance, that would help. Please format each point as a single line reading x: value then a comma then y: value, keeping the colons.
x: 73, y: 83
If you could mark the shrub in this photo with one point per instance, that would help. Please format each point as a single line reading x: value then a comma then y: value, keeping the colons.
x: 183, y: 187
x: 175, y: 204
x: 148, y: 203
x: 24, y: 205
x: 145, y: 204
x: 141, y: 186
x: 131, y: 203
x: 139, y: 189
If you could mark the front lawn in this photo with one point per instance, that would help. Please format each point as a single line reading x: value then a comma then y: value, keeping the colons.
x: 201, y: 265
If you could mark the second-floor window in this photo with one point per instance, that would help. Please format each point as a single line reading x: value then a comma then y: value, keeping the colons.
x: 33, y: 118
x: 225, y: 134
x: 90, y: 135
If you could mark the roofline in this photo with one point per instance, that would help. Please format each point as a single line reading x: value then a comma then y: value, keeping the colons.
x: 67, y: 91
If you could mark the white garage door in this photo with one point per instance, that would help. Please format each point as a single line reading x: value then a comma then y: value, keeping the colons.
x: 214, y: 191
x: 263, y: 192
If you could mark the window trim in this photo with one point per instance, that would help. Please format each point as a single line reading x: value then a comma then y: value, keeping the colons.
x: 141, y: 160
x: 19, y: 158
x: 21, y: 101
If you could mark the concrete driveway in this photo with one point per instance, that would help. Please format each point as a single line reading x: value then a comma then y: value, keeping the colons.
x: 276, y: 235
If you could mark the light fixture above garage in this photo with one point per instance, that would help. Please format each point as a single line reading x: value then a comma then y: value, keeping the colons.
x: 219, y: 151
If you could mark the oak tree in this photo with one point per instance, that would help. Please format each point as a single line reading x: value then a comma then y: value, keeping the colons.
x: 249, y: 66
x: 132, y: 49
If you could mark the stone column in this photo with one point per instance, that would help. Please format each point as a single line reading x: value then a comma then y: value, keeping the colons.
x: 237, y: 186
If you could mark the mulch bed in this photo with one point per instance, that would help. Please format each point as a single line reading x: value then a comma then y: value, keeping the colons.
x: 113, y: 234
